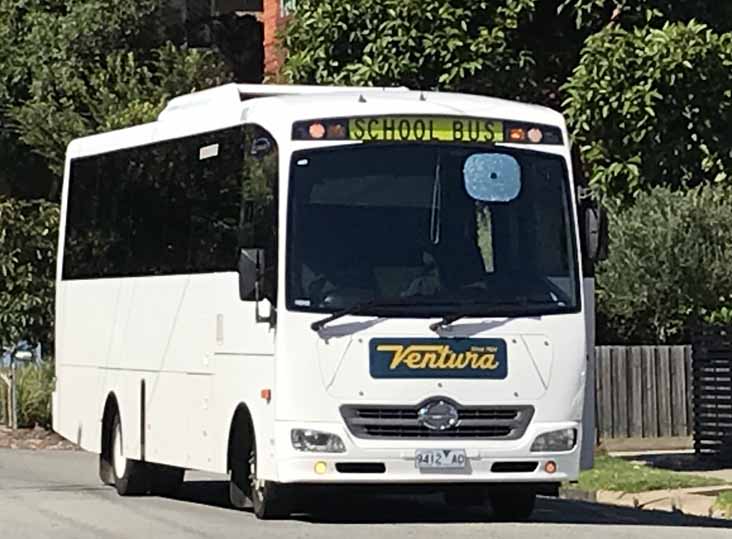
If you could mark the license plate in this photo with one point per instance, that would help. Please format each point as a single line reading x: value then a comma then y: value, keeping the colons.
x: 430, y: 459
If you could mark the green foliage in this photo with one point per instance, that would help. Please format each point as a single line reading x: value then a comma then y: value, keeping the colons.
x: 34, y: 388
x: 73, y: 67
x: 447, y: 44
x: 724, y: 503
x: 653, y: 107
x: 669, y: 265
x: 721, y: 316
x: 627, y: 13
x: 123, y: 91
x: 28, y: 235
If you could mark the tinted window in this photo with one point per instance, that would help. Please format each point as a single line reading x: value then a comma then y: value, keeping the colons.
x: 161, y: 209
x: 398, y: 224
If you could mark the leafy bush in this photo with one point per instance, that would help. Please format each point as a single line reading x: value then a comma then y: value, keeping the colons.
x: 420, y: 43
x: 33, y: 390
x: 521, y: 49
x: 652, y: 107
x: 71, y: 68
x: 669, y: 265
x: 628, y: 13
x: 28, y: 235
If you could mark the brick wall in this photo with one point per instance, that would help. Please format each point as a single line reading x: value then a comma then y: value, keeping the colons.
x: 272, y: 19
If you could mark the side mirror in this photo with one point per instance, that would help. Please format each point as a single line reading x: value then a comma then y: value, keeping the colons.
x: 250, y: 263
x: 595, y: 232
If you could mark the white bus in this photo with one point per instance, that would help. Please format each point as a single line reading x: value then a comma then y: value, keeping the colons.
x: 309, y: 287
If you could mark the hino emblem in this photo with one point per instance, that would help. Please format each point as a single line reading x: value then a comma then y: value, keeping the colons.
x: 438, y: 415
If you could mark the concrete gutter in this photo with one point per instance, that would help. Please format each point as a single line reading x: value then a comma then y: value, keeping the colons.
x: 694, y: 501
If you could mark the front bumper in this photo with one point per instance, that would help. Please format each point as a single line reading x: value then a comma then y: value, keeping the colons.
x: 398, y: 458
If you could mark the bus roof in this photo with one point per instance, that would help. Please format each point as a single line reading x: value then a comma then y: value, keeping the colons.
x: 277, y: 106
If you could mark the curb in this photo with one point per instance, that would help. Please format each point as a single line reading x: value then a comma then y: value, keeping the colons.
x: 600, y: 497
x: 578, y: 495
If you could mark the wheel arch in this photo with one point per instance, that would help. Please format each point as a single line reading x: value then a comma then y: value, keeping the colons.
x: 242, y: 422
x: 111, y: 407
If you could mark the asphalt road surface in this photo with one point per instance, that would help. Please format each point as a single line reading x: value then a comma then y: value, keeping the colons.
x: 58, y: 495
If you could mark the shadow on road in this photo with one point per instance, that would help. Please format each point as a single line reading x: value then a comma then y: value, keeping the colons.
x: 431, y: 510
x: 683, y: 462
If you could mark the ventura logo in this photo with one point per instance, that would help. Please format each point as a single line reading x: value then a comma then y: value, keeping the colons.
x: 438, y: 358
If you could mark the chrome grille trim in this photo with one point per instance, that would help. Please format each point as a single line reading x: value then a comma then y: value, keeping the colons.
x: 400, y: 422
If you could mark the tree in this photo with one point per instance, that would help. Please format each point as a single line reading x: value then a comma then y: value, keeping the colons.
x: 27, y: 248
x: 510, y: 48
x: 71, y: 68
x: 75, y: 67
x: 596, y: 14
x: 652, y: 106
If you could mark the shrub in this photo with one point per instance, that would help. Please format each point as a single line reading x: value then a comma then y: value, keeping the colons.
x: 28, y: 235
x: 33, y: 390
x: 669, y: 265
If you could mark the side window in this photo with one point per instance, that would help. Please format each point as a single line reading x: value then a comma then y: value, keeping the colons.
x: 161, y: 209
x: 259, y: 218
x: 95, y: 245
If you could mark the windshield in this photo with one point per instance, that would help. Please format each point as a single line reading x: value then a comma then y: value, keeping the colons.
x: 429, y: 230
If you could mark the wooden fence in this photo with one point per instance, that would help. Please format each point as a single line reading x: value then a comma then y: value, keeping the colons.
x: 643, y: 391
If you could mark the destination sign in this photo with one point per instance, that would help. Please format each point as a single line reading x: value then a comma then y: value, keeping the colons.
x: 425, y: 129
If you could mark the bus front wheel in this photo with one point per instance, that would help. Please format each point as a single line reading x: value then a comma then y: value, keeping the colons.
x: 269, y: 500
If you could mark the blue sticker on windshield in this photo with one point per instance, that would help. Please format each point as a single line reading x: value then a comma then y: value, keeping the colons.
x: 438, y: 358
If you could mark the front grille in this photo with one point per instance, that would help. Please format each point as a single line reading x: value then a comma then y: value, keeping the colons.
x: 474, y: 422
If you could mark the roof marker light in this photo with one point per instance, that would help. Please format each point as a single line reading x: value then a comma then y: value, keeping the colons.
x: 517, y: 134
x: 535, y: 135
x: 316, y: 130
x: 336, y: 131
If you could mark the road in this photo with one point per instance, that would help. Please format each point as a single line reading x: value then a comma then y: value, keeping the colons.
x: 57, y: 494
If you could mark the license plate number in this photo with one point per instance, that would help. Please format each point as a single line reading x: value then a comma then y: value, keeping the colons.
x: 427, y: 459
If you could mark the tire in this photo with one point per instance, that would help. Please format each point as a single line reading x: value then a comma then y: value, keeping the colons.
x: 106, y: 475
x: 271, y: 501
x: 513, y: 505
x: 165, y: 480
x: 268, y: 500
x: 131, y: 477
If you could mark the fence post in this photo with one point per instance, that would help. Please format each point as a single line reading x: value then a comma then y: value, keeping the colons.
x: 13, y: 396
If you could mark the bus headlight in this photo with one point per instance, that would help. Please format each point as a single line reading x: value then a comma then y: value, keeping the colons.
x: 316, y: 442
x: 558, y: 440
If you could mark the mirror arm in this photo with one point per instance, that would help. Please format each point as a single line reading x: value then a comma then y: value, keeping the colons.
x: 258, y: 298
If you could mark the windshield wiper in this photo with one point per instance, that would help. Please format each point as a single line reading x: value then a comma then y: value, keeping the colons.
x: 360, y: 307
x: 523, y: 302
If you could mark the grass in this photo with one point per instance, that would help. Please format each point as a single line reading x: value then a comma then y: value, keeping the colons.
x: 624, y: 476
x: 724, y: 503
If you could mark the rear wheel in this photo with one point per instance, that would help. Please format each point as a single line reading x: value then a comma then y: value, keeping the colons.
x: 513, y: 505
x: 131, y: 477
